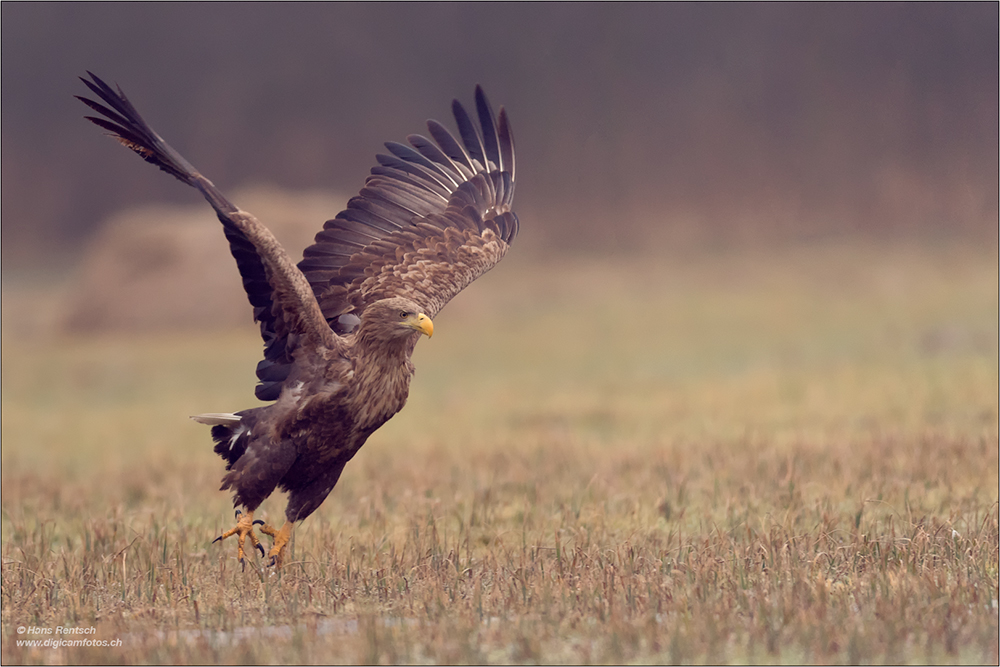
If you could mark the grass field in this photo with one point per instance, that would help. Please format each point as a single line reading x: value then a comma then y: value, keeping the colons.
x: 781, y: 457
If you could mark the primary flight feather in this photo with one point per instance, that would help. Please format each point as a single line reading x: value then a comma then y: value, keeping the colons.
x: 339, y: 327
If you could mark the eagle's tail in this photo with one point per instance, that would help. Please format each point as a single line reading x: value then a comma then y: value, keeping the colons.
x: 218, y: 419
x: 129, y: 128
x: 231, y: 433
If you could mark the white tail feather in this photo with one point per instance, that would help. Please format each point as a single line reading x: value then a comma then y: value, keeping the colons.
x: 217, y: 419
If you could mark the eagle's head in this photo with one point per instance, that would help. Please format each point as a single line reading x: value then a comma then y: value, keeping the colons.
x: 397, y: 317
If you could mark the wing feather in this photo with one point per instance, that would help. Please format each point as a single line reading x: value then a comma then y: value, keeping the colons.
x: 417, y: 170
x: 414, y: 181
x: 420, y: 201
x: 407, y: 154
x: 491, y: 144
x: 452, y: 148
x: 470, y: 137
x: 506, y: 138
x: 433, y: 153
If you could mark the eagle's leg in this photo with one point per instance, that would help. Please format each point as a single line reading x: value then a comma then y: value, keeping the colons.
x: 242, y: 530
x: 281, y: 538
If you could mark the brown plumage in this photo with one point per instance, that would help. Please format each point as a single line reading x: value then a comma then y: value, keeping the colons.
x: 339, y: 327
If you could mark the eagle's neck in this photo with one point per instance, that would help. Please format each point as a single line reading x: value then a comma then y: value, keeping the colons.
x: 382, y: 372
x: 385, y: 350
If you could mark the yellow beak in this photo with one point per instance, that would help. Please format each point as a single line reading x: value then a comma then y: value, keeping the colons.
x: 423, y: 324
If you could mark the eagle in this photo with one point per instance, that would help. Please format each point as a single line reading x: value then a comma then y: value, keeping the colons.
x: 339, y: 326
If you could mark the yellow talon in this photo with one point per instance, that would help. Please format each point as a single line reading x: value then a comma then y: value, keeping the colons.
x: 281, y: 539
x: 242, y: 530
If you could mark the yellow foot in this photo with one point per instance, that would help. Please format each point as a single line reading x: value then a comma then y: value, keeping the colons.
x: 243, y: 530
x: 281, y: 538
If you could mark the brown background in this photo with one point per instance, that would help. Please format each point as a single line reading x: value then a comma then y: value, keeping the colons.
x: 636, y: 124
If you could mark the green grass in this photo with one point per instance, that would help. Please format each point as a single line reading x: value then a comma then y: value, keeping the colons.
x: 782, y: 457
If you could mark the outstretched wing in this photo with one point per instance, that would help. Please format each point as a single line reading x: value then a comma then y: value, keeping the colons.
x: 429, y: 221
x: 282, y: 299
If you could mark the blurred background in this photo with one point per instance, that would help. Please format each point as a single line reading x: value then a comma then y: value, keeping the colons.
x: 641, y: 128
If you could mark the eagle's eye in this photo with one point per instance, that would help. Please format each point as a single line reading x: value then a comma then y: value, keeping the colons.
x: 403, y: 314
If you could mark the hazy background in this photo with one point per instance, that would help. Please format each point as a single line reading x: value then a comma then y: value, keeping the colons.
x: 636, y: 124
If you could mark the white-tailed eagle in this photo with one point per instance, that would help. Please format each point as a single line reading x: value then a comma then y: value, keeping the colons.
x: 339, y: 327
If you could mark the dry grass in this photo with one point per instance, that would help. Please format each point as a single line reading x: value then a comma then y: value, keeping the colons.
x: 784, y: 458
